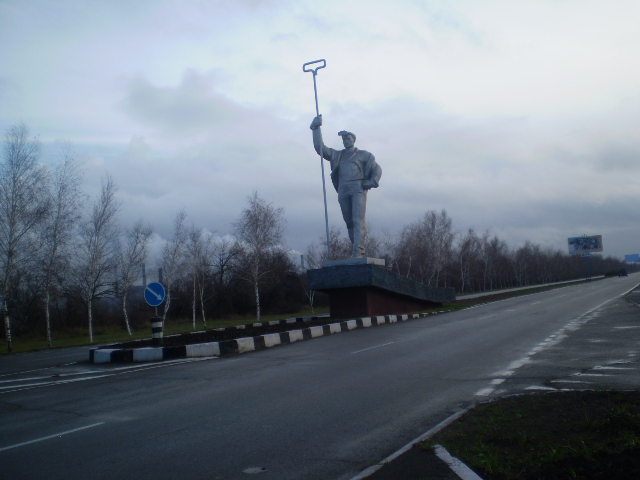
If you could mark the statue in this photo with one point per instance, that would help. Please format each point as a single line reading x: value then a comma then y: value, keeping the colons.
x: 353, y: 173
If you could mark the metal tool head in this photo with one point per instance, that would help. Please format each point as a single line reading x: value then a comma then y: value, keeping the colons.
x: 314, y: 70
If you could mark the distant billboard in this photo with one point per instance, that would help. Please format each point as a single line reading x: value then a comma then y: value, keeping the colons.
x: 632, y: 258
x: 582, y: 245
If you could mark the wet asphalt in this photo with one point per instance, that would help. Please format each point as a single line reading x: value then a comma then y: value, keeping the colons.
x: 598, y: 351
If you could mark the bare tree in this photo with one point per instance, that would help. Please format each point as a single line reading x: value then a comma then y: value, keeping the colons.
x: 439, y: 234
x: 260, y: 231
x: 98, y: 248
x: 130, y: 261
x: 200, y: 246
x: 424, y: 248
x: 340, y: 247
x: 467, y: 255
x: 58, y: 227
x: 23, y: 206
x: 315, y: 256
x: 173, y: 259
x: 224, y: 254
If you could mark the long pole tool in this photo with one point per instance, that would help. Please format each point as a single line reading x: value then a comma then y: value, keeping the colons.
x: 324, y: 188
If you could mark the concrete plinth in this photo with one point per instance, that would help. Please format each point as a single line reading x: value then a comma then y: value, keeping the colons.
x: 367, y: 289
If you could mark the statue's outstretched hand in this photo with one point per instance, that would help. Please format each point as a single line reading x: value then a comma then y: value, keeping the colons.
x: 367, y: 184
x: 317, y: 122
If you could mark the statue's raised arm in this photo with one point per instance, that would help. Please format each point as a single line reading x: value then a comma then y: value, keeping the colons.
x: 318, y: 144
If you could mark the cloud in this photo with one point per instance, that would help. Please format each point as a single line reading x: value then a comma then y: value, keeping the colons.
x: 521, y: 117
x: 191, y: 107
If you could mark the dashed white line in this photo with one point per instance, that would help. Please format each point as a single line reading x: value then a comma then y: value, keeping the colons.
x: 485, y: 392
x: 371, y: 348
x: 50, y: 436
x: 613, y: 368
x: 95, y: 374
x: 569, y: 381
x: 37, y: 369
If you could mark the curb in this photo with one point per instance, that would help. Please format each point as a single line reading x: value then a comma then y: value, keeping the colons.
x: 241, y: 345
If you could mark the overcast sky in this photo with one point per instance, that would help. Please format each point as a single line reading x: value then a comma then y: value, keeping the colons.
x: 517, y: 116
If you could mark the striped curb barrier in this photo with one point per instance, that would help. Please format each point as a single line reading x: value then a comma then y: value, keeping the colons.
x: 243, y: 344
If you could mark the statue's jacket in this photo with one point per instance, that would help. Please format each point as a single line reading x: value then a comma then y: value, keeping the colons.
x: 365, y: 160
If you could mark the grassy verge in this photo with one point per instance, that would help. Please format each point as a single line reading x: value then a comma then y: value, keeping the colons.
x: 552, y: 436
x: 77, y: 338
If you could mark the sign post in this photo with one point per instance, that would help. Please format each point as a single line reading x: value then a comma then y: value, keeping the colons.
x: 154, y: 295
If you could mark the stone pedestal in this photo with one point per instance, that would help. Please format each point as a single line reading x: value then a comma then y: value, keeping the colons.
x: 363, y: 287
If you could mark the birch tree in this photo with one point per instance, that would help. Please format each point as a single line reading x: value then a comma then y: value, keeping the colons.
x: 200, y: 250
x: 59, y: 227
x: 98, y: 248
x: 260, y: 231
x: 24, y: 204
x: 225, y: 252
x: 172, y: 261
x: 130, y: 260
x: 467, y: 255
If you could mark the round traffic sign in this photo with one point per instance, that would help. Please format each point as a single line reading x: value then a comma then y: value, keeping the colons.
x: 154, y: 294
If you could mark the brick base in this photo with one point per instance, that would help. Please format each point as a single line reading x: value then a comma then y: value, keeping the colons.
x: 371, y: 301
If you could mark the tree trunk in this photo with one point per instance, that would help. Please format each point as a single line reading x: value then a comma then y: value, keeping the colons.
x: 47, y: 301
x: 124, y: 310
x: 204, y: 318
x: 310, y: 296
x: 257, y: 292
x: 7, y: 326
x: 167, y: 304
x: 193, y: 304
x: 90, y: 304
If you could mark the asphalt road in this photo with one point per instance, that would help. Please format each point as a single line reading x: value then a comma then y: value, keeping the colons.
x: 321, y: 409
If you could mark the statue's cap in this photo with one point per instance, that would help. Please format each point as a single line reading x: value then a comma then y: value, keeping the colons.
x: 342, y: 133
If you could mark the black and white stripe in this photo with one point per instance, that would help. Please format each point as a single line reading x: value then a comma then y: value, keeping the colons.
x: 244, y: 344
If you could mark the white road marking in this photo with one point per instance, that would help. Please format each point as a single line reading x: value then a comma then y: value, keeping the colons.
x: 485, y: 392
x: 613, y: 368
x: 37, y: 369
x: 371, y: 348
x: 50, y: 437
x: 568, y: 381
x: 464, y: 472
x: 95, y: 374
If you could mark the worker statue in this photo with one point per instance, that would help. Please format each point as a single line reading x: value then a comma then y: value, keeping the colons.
x: 353, y: 173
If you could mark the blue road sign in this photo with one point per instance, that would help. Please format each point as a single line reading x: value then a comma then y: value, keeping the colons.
x: 154, y: 294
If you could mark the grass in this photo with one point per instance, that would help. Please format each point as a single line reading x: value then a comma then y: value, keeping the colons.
x: 75, y: 338
x: 550, y: 436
